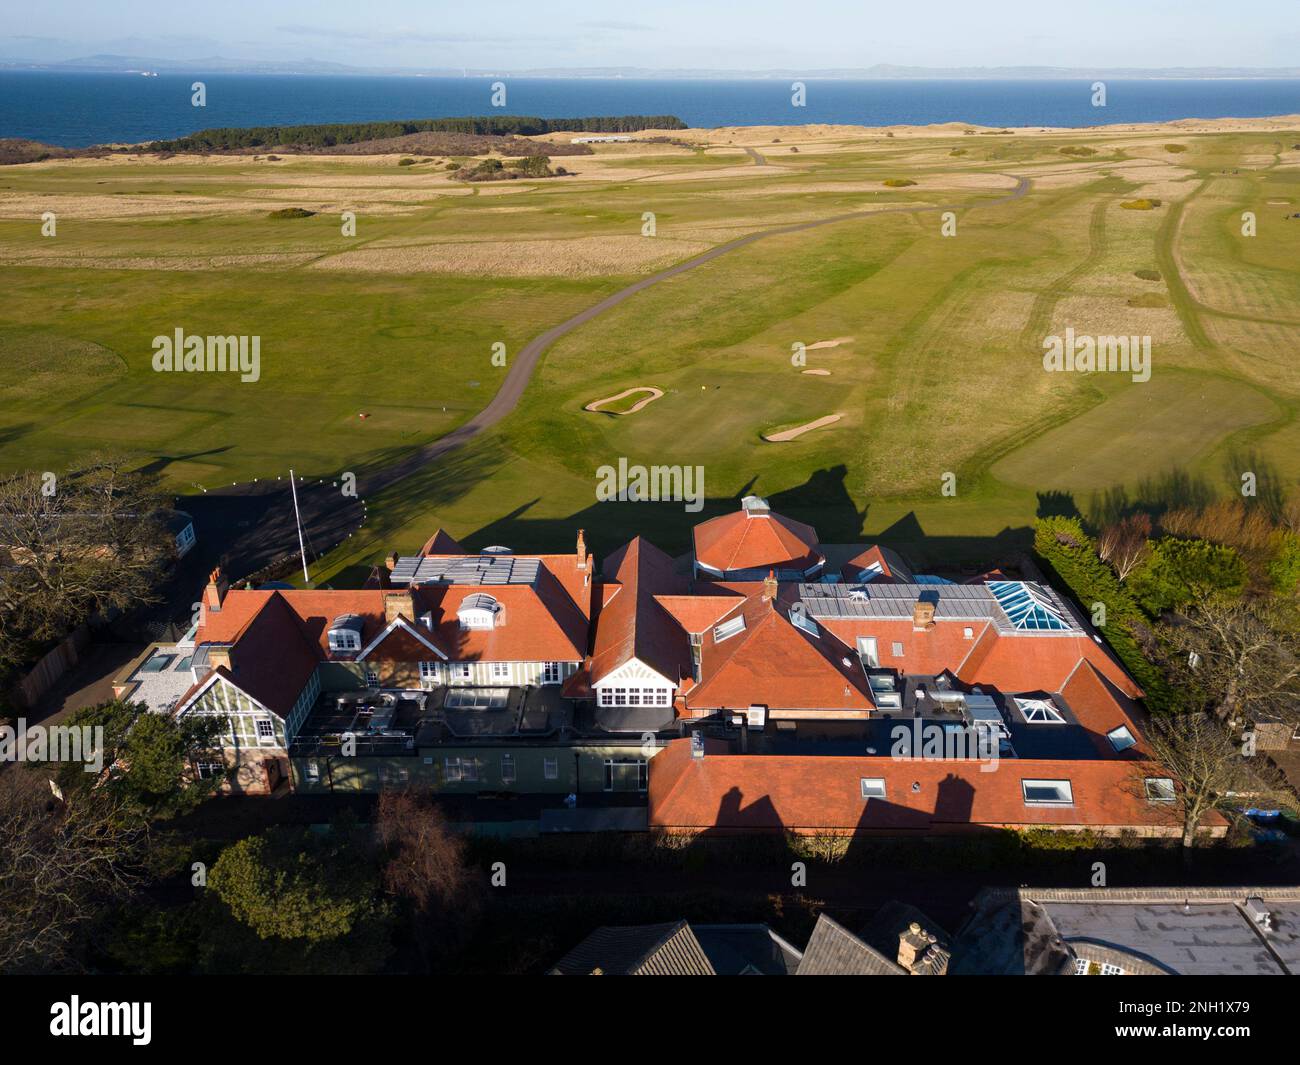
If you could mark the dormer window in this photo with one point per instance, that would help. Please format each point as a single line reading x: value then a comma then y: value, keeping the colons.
x: 480, y: 611
x: 345, y: 633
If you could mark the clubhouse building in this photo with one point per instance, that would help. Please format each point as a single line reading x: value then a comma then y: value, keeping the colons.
x: 767, y: 683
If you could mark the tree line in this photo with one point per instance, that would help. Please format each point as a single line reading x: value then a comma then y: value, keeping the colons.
x: 328, y: 135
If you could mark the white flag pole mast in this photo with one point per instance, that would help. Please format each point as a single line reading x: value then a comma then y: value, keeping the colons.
x: 302, y: 550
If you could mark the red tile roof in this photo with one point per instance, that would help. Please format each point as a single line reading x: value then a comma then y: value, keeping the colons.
x: 742, y: 540
x: 822, y: 793
x: 774, y: 663
x: 633, y: 623
x: 889, y: 564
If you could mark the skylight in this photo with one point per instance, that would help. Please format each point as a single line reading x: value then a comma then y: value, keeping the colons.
x: 1039, y: 712
x: 1027, y: 607
x: 728, y: 628
x: 799, y: 615
x: 1121, y: 738
x: 1047, y: 792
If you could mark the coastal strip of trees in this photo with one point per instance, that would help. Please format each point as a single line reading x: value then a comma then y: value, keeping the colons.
x: 326, y: 136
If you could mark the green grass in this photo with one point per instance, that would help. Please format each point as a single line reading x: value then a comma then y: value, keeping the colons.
x: 943, y: 373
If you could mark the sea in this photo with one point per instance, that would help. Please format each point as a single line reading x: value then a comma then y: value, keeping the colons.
x: 80, y: 109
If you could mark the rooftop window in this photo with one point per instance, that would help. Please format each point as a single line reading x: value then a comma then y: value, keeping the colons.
x: 1027, y: 607
x: 1047, y: 792
x: 1159, y: 789
x: 1039, y: 712
x: 873, y: 787
x: 1121, y: 738
x: 728, y: 628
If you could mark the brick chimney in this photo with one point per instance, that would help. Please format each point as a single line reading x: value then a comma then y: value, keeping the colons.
x: 215, y: 591
x: 912, y: 943
x: 922, y: 615
x: 219, y: 656
x: 769, y: 586
x: 396, y: 603
x: 581, y: 551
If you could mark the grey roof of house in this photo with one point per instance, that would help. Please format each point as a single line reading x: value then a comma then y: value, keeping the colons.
x: 1007, y: 935
x: 895, y: 918
x: 490, y: 569
x: 1190, y: 939
x: 637, y: 950
x: 1183, y: 931
x: 746, y: 949
x: 835, y: 951
x: 952, y: 602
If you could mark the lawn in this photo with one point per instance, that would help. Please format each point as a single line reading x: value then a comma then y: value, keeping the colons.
x: 936, y: 360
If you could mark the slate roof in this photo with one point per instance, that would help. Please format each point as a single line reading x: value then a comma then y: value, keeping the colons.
x: 637, y: 950
x: 835, y: 951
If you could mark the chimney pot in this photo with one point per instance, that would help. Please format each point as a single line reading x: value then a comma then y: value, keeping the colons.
x: 922, y: 615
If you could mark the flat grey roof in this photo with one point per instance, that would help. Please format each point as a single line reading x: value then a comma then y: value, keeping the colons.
x: 955, y: 602
x: 1205, y: 938
x: 493, y: 569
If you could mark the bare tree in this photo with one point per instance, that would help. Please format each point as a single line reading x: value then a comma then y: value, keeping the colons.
x: 1208, y: 766
x: 424, y: 863
x: 91, y: 539
x: 59, y: 863
x: 1235, y: 659
x: 1125, y: 543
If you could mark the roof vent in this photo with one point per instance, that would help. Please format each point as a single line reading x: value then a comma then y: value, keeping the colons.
x: 1259, y: 913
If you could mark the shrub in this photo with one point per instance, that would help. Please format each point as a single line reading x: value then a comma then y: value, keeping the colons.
x: 1182, y: 571
x: 1147, y: 275
x: 1144, y: 204
x: 408, y: 161
x: 291, y: 212
x: 1078, y: 150
x: 1175, y: 148
x: 898, y: 182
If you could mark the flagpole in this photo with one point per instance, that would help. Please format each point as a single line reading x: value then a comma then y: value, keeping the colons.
x: 302, y: 550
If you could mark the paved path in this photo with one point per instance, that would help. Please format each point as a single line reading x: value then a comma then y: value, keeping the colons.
x: 525, y: 361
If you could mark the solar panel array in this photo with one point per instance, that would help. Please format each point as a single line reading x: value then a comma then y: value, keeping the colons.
x: 955, y: 602
x: 465, y: 569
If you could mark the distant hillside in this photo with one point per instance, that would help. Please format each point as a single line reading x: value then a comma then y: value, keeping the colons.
x: 328, y: 136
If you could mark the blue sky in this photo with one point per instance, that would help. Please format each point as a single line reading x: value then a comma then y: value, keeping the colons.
x: 807, y: 34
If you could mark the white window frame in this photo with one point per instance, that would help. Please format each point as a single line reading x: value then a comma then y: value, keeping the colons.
x: 550, y: 768
x: 873, y: 787
x: 1121, y: 738
x: 372, y: 678
x: 430, y: 674
x: 508, y: 768
x: 724, y: 630
x: 551, y: 673
x: 1039, y: 712
x: 897, y: 649
x: 500, y: 671
x: 869, y: 652
x: 1063, y: 788
x: 1163, y: 792
x: 269, y: 734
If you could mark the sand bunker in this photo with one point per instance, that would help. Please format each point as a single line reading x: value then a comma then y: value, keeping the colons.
x: 654, y: 393
x: 790, y: 434
x: 818, y: 373
x: 830, y: 343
